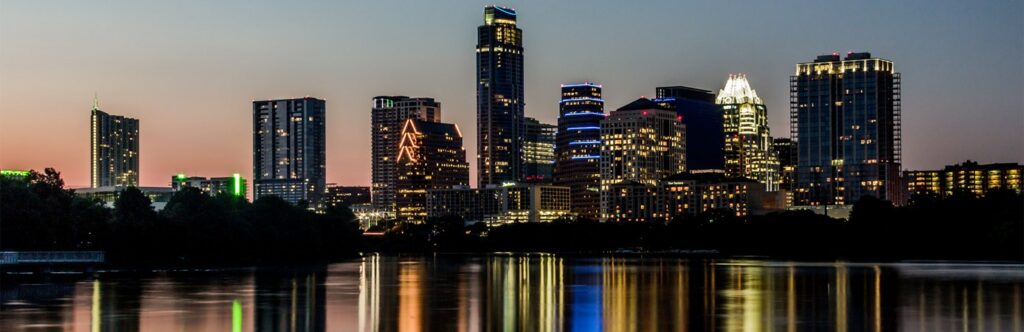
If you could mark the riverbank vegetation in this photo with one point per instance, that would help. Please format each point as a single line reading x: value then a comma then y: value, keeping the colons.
x: 38, y: 213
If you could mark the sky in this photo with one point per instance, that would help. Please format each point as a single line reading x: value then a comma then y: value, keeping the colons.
x: 189, y: 70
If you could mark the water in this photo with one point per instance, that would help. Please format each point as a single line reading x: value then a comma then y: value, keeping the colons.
x: 528, y: 293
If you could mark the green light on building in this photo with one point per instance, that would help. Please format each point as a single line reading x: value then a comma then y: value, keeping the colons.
x: 236, y: 316
x: 14, y: 173
x: 237, y: 184
x: 181, y: 176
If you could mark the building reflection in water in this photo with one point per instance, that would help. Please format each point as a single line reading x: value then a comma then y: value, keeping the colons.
x: 529, y: 293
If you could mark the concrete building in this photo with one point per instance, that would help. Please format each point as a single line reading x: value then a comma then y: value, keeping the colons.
x: 234, y: 184
x: 497, y: 205
x: 538, y: 151
x: 968, y: 176
x: 642, y: 143
x: 387, y: 117
x: 430, y: 156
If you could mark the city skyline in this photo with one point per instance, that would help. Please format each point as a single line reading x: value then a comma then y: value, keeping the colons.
x: 938, y: 125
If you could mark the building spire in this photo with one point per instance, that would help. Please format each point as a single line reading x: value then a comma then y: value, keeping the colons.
x: 95, y: 101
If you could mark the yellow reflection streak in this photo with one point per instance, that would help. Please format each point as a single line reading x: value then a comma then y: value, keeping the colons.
x: 96, y: 314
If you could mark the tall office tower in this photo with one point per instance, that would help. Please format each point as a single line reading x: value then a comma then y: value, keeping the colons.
x: 499, y: 97
x: 388, y: 115
x: 430, y: 156
x: 703, y: 120
x: 114, y: 153
x: 845, y: 122
x: 288, y: 144
x: 642, y: 143
x: 538, y: 151
x: 578, y: 146
x: 786, y: 152
x: 748, y: 142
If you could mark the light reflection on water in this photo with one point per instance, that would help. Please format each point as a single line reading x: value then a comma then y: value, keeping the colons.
x: 529, y: 293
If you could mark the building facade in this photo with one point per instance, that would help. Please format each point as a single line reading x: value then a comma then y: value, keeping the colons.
x: 336, y: 195
x: 703, y: 121
x: 578, y: 146
x: 642, y: 143
x: 688, y: 194
x: 500, y: 119
x: 289, y: 144
x: 498, y: 205
x: 234, y: 185
x: 538, y: 151
x: 968, y: 176
x: 845, y: 123
x: 114, y: 150
x: 387, y: 117
x: 430, y: 156
x: 749, y: 151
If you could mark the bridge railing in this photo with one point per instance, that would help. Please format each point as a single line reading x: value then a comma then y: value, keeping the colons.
x: 50, y: 257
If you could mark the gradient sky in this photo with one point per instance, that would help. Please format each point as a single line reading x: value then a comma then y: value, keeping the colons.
x: 190, y: 70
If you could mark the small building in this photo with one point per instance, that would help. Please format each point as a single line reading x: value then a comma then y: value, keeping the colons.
x: 496, y: 205
x: 692, y: 194
x: 345, y: 195
x: 234, y: 184
x: 159, y: 196
x: 968, y: 176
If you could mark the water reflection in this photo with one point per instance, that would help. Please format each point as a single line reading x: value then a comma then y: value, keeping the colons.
x: 528, y: 293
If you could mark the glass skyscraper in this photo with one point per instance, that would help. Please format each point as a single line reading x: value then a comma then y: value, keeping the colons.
x: 114, y: 149
x: 388, y: 115
x: 578, y: 146
x: 538, y: 151
x: 748, y: 143
x: 845, y: 124
x: 289, y: 159
x: 703, y: 121
x: 430, y: 156
x: 499, y: 63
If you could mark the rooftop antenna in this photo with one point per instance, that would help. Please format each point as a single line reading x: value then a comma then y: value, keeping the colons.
x: 95, y: 101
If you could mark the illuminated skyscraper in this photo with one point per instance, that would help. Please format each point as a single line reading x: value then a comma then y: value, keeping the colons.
x: 430, y: 156
x: 499, y: 95
x: 289, y: 147
x: 388, y: 115
x: 538, y: 151
x: 703, y: 121
x: 845, y: 123
x: 642, y: 143
x: 748, y: 142
x: 114, y: 149
x: 578, y: 146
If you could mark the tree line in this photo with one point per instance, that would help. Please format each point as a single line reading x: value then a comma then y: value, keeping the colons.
x: 39, y: 213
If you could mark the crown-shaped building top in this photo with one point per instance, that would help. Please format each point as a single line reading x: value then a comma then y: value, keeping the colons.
x: 737, y: 91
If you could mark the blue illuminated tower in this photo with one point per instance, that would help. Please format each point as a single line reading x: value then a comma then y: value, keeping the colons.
x: 578, y: 146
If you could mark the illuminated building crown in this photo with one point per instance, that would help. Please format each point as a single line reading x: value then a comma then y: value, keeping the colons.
x: 737, y: 91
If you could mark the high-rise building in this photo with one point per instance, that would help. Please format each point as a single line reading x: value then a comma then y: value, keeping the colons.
x: 234, y: 184
x: 430, y: 156
x: 499, y: 96
x: 748, y: 143
x: 388, y: 115
x: 538, y: 151
x: 578, y: 146
x: 114, y: 149
x: 703, y: 121
x: 845, y: 122
x: 642, y: 143
x: 289, y: 147
x: 786, y: 152
x: 968, y: 176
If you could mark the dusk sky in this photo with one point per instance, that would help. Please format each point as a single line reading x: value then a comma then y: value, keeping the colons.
x: 190, y: 70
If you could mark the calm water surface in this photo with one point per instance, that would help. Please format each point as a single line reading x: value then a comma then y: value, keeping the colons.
x: 528, y: 293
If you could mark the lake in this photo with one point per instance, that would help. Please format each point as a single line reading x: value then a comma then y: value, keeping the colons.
x: 537, y: 292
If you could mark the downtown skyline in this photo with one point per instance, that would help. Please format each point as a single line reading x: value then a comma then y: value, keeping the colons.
x: 198, y: 122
